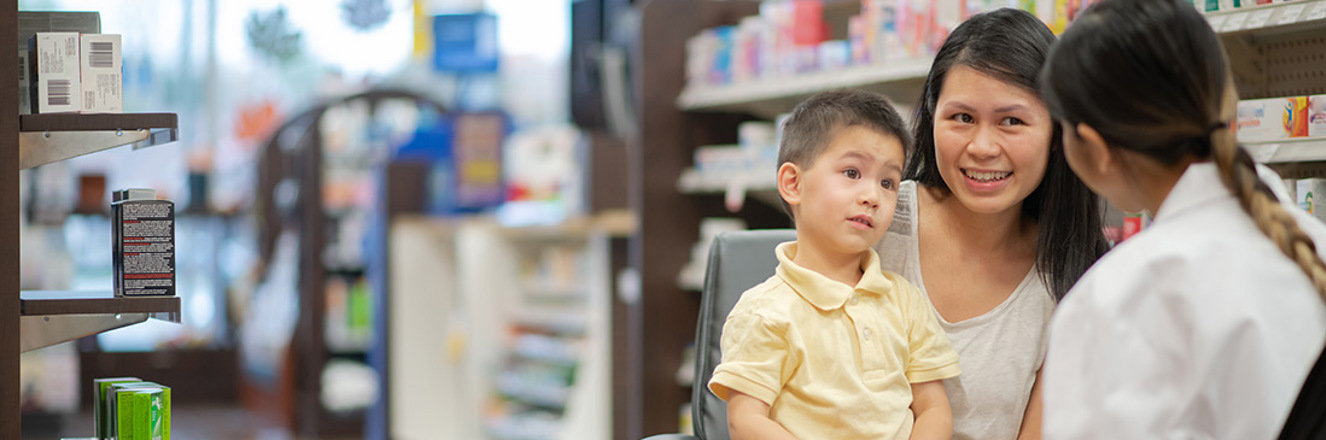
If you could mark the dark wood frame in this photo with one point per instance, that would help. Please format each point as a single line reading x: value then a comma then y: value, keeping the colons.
x: 9, y: 253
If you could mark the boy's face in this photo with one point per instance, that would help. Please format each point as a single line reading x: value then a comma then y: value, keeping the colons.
x: 844, y: 202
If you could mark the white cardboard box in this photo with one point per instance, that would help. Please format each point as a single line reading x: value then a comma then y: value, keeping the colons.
x: 1262, y: 120
x: 55, y: 79
x: 102, y: 79
x: 24, y: 87
x: 1312, y: 196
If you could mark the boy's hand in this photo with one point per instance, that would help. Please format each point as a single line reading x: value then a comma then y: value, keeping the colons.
x: 934, y: 418
x: 748, y: 418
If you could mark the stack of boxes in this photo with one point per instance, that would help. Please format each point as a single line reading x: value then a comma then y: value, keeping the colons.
x: 128, y: 408
x: 1287, y: 118
x: 67, y: 65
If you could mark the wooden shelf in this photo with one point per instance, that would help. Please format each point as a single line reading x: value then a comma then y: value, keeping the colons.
x: 41, y: 302
x: 51, y: 317
x: 45, y: 139
x: 1271, y: 18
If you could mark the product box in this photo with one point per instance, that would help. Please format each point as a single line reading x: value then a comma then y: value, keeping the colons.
x: 24, y: 89
x: 99, y: 71
x: 1296, y: 116
x: 100, y: 410
x: 53, y: 67
x: 1309, y: 190
x: 139, y: 411
x: 1317, y: 116
x: 1291, y: 187
x: 1273, y: 119
x: 143, y: 243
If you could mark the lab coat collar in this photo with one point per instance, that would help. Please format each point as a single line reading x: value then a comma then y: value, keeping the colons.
x: 1199, y: 185
x: 824, y: 293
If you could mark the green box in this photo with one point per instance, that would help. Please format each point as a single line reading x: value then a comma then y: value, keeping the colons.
x: 139, y: 411
x: 100, y: 412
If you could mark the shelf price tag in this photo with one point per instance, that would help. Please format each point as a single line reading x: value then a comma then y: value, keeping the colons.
x: 1235, y: 22
x: 1318, y: 12
x: 1259, y: 19
x: 1291, y: 14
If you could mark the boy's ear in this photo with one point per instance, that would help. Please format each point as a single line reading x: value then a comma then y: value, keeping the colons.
x: 1103, y: 162
x: 789, y: 183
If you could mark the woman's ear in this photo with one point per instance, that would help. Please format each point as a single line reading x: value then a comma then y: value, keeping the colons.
x: 1101, y: 159
x: 789, y: 183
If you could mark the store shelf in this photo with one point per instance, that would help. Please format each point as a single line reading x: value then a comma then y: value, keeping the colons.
x: 52, y: 317
x: 614, y: 223
x: 45, y: 139
x: 1270, y: 18
x: 763, y: 189
x: 1287, y: 151
x: 770, y: 97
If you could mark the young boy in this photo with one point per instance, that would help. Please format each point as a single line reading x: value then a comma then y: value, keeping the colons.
x: 831, y: 346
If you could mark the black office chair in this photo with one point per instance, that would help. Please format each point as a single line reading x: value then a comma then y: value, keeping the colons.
x: 737, y: 261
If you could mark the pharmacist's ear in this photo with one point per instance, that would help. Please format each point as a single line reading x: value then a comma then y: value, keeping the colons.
x: 1100, y: 157
x: 789, y: 183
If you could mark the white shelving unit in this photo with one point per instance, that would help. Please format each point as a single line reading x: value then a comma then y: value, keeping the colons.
x: 460, y: 282
x: 1275, y: 17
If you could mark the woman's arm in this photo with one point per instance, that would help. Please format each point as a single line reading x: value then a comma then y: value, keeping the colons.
x: 1031, y: 420
x: 748, y: 418
x: 934, y: 418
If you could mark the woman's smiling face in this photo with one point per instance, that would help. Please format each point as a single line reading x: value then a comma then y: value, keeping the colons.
x: 992, y: 140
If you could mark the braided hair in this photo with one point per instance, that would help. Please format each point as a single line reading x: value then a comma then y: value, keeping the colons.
x: 1152, y: 77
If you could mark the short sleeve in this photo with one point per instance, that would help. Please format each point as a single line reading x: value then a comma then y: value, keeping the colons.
x: 754, y: 351
x: 931, y: 355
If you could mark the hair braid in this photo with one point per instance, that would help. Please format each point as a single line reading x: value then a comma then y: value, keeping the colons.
x: 1239, y: 173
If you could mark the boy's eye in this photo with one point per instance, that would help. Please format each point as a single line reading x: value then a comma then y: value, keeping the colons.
x: 851, y: 173
x: 886, y: 184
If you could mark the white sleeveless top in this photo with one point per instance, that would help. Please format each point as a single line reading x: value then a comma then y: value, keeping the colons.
x: 999, y: 351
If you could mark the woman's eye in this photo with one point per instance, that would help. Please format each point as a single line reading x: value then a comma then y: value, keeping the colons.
x: 851, y: 174
x: 886, y: 184
x: 964, y: 118
x: 1012, y: 121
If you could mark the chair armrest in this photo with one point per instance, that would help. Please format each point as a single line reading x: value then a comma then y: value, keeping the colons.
x: 672, y: 437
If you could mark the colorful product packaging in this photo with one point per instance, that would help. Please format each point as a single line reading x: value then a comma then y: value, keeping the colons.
x: 1309, y: 192
x: 1317, y: 116
x: 100, y: 411
x: 1295, y: 116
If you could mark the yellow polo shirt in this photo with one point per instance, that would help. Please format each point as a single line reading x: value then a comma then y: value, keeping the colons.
x: 833, y: 361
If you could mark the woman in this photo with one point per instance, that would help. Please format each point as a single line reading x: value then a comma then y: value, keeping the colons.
x: 991, y: 223
x: 1205, y: 324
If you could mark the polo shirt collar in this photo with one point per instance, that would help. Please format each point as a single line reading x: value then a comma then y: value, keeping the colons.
x: 822, y: 292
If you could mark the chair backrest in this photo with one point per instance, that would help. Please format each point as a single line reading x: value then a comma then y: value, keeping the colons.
x: 737, y: 261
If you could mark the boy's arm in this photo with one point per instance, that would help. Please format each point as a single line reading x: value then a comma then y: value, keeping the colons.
x: 748, y: 418
x: 934, y: 418
x: 1031, y: 420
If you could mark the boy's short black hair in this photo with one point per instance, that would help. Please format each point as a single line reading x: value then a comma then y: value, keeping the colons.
x: 812, y: 124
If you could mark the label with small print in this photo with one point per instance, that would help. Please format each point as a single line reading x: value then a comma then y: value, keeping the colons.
x: 145, y: 251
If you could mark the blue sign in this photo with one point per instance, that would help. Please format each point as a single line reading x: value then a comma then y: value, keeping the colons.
x: 465, y: 43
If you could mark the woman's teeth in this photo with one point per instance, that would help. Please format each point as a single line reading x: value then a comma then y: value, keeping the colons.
x: 987, y: 176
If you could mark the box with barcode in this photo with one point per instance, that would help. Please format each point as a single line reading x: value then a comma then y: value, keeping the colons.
x: 24, y: 88
x: 54, y: 72
x: 102, y: 80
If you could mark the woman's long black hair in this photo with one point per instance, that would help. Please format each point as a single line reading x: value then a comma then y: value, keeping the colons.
x: 1011, y: 45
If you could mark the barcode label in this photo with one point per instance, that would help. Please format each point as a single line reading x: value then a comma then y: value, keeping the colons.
x: 102, y: 55
x: 22, y: 69
x: 59, y: 93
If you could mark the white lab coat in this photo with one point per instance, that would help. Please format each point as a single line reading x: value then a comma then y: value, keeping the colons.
x: 1197, y: 328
